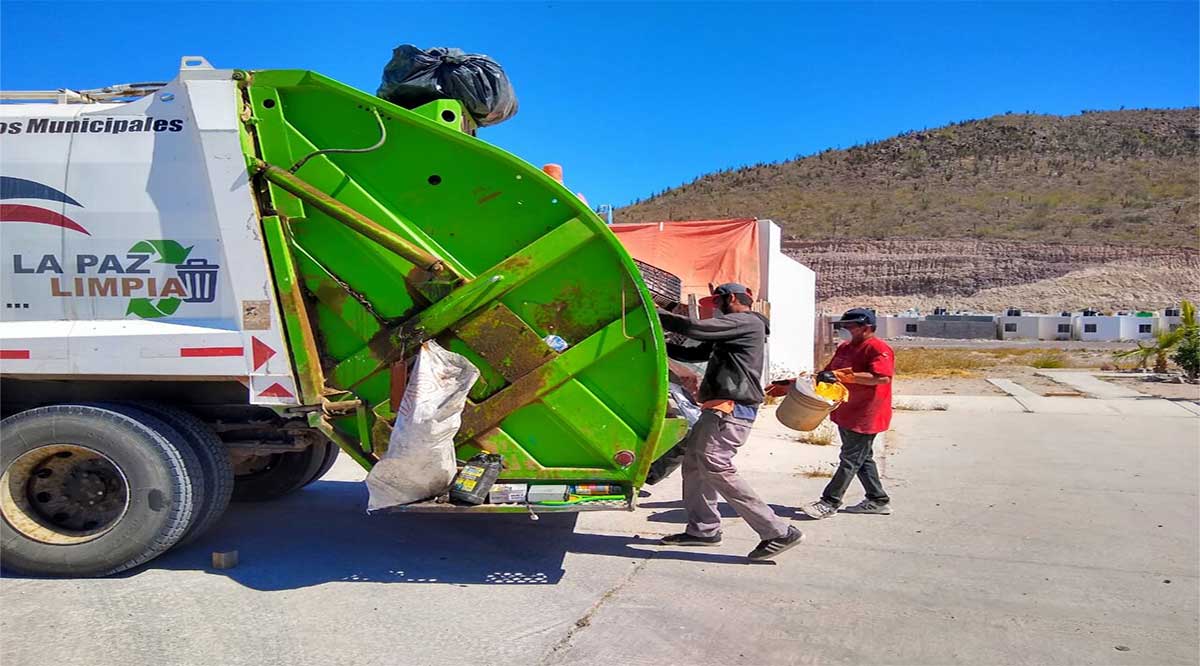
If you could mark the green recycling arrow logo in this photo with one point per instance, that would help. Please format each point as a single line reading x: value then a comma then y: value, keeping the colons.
x: 166, y: 252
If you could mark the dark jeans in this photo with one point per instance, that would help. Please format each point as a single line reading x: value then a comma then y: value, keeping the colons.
x: 856, y: 460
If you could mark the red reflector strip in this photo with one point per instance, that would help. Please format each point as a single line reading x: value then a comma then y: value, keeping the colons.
x: 276, y: 391
x: 192, y: 352
x: 14, y: 354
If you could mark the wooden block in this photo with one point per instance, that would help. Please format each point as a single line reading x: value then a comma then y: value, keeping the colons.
x: 224, y: 559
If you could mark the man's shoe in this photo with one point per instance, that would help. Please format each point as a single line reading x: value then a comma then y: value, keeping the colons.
x: 772, y: 547
x: 685, y: 539
x: 819, y: 510
x: 870, y: 506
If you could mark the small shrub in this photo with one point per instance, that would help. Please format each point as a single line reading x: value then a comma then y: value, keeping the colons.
x: 1187, y: 354
x: 816, y: 472
x: 1049, y: 360
x: 944, y: 362
x: 824, y: 435
x: 919, y: 405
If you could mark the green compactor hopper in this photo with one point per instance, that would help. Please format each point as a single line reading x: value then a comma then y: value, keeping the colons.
x: 388, y: 227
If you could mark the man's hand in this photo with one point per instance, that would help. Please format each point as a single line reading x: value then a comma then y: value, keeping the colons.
x: 826, y: 377
x: 845, y: 376
x: 779, y: 388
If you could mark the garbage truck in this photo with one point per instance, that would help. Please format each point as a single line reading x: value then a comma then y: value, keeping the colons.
x: 214, y: 286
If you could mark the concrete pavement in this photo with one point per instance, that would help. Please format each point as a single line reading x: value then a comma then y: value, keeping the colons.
x: 1093, y: 387
x: 1018, y: 538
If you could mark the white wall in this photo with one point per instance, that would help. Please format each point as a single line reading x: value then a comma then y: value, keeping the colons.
x: 1130, y: 326
x: 892, y: 326
x: 791, y: 289
x: 1107, y: 328
x: 1027, y: 327
x: 1048, y: 327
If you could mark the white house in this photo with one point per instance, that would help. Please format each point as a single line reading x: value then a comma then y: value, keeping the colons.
x: 896, y: 326
x: 1138, y: 328
x: 1054, y: 327
x: 1171, y: 319
x: 1097, y: 327
x: 1018, y: 326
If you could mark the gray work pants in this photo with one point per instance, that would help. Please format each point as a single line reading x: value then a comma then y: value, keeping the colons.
x: 856, y: 460
x: 708, y: 471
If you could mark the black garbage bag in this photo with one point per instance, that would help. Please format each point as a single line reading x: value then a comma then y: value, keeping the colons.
x: 667, y: 463
x: 414, y: 77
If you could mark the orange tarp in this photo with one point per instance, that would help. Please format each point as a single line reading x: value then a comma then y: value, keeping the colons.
x: 699, y: 252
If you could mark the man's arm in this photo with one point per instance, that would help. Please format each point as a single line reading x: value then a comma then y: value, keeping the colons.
x: 880, y: 368
x: 717, y: 329
x: 848, y: 376
x: 682, y: 353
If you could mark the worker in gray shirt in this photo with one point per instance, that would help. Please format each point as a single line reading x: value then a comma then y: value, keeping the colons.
x: 733, y: 343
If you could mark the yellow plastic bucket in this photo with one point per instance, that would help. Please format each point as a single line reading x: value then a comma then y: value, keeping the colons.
x: 804, y: 410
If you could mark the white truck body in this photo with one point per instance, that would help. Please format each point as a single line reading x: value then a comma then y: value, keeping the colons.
x: 130, y: 244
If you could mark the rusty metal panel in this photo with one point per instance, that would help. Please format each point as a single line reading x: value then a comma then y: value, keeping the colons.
x: 504, y: 341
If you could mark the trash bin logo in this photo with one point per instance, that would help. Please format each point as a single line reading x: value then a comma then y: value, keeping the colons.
x: 200, y: 279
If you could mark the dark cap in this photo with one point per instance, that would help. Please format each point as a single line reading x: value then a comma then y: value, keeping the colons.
x: 857, y: 316
x: 731, y: 288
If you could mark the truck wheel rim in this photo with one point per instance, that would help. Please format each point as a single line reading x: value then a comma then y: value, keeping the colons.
x: 63, y: 494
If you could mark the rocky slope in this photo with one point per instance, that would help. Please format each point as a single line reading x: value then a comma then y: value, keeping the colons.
x: 960, y: 267
x: 982, y: 205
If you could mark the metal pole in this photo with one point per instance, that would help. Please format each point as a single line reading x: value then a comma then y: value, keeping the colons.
x: 351, y: 218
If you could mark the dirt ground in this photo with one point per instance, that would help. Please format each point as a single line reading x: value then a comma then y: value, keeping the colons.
x: 1158, y: 389
x: 974, y: 382
x: 1089, y: 347
x: 962, y: 367
x: 952, y: 385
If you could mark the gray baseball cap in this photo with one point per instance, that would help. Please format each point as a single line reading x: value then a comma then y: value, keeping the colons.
x: 857, y: 316
x: 731, y: 288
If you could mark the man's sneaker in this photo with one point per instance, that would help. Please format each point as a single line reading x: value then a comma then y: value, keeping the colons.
x: 772, y: 547
x: 685, y: 539
x: 870, y: 506
x: 819, y: 510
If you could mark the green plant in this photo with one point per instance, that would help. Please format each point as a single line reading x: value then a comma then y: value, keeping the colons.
x: 824, y: 435
x: 939, y: 362
x: 1049, y: 360
x: 1187, y: 355
x: 1164, y: 342
x: 1141, y: 354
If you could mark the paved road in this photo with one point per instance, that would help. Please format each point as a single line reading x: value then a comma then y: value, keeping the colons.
x: 1019, y: 539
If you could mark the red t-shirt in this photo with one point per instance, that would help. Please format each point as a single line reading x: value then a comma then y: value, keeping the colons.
x: 869, y: 408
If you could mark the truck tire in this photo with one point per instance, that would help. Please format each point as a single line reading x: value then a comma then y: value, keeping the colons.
x: 217, y: 471
x: 87, y: 490
x: 191, y: 461
x: 666, y: 288
x: 280, y: 474
x: 331, y: 457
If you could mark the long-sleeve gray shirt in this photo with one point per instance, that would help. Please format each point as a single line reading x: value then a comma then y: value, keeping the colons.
x: 734, y: 346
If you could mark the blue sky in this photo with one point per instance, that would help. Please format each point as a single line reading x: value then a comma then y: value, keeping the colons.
x: 634, y: 98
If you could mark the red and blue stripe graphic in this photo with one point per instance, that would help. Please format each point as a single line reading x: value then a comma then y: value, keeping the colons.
x: 20, y: 188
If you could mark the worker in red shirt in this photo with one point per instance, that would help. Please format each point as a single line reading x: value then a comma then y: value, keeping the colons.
x: 865, y: 364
